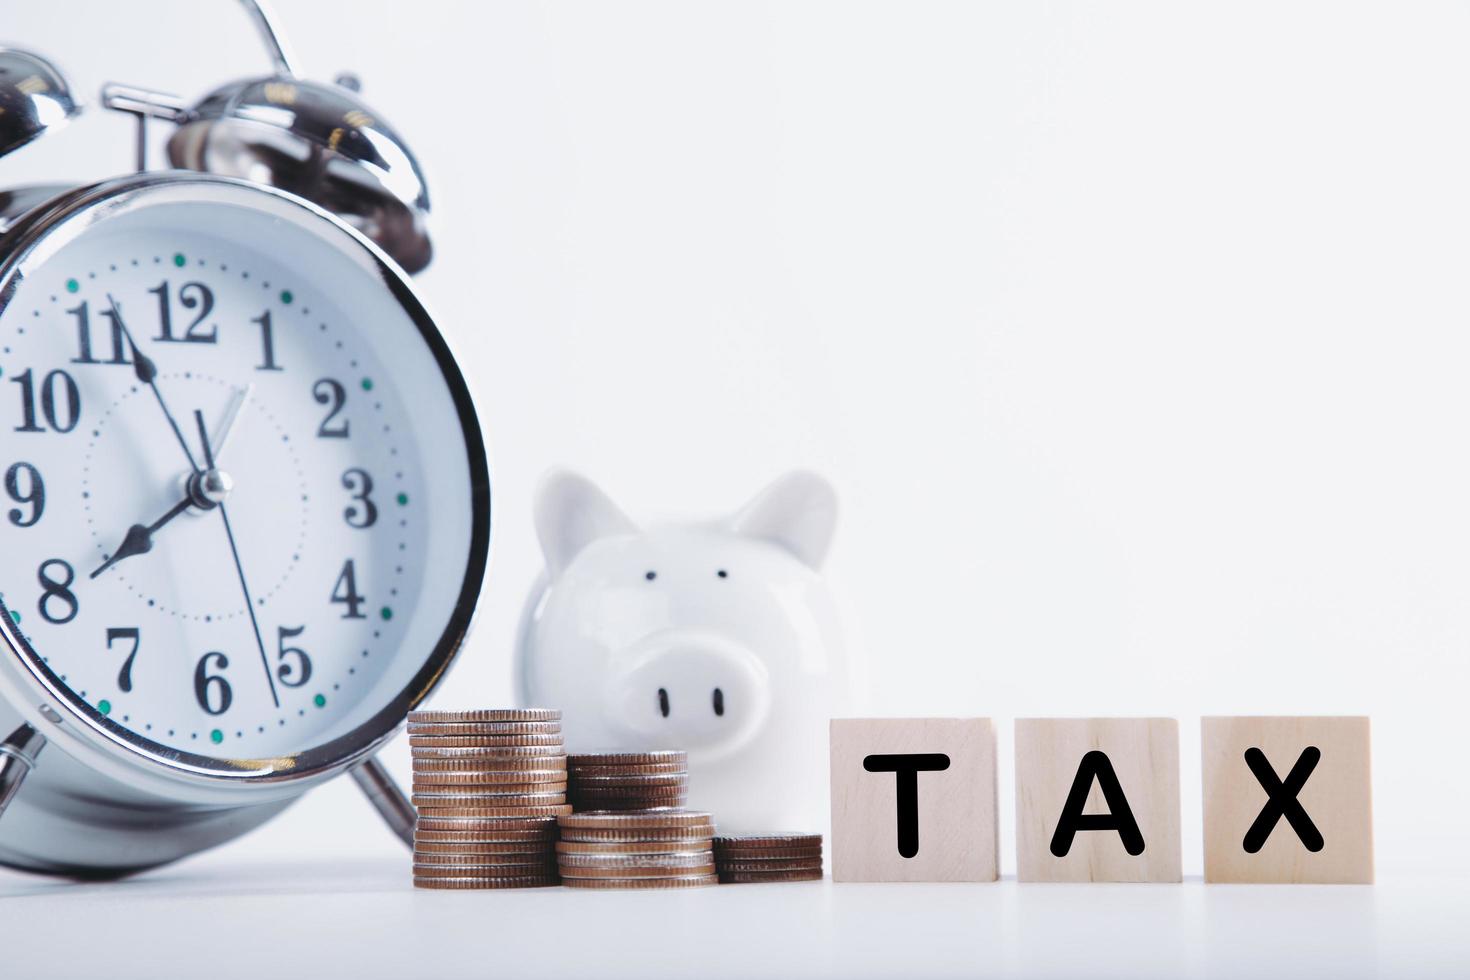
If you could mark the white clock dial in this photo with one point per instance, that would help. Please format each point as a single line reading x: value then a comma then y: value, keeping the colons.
x: 236, y: 507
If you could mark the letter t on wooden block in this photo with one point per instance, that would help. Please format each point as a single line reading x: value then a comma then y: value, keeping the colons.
x: 1097, y: 799
x: 1287, y: 800
x: 914, y: 799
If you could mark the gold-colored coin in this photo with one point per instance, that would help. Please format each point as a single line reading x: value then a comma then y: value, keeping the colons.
x: 489, y: 790
x: 631, y: 782
x: 493, y: 812
x: 524, y: 838
x: 692, y: 881
x: 499, y: 794
x: 646, y: 835
x: 605, y: 805
x: 794, y: 864
x: 538, y: 824
x: 662, y: 756
x: 651, y: 769
x: 484, y: 860
x: 654, y: 820
x: 629, y: 793
x: 482, y: 741
x: 771, y: 840
x: 573, y: 864
x: 487, y: 714
x: 607, y: 874
x: 551, y: 803
x: 767, y: 853
x: 475, y: 842
x: 681, y: 846
x: 750, y: 877
x: 491, y: 763
x: 467, y: 884
x: 485, y: 870
x: 609, y: 804
x: 493, y: 756
x: 514, y: 777
x: 527, y: 847
x: 484, y: 728
x: 432, y: 801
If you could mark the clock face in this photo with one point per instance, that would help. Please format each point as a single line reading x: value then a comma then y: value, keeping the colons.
x: 238, y: 506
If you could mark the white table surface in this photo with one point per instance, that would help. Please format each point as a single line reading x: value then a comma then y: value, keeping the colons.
x: 219, y: 918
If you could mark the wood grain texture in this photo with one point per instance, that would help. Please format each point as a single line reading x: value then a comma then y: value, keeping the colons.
x: 958, y: 837
x: 1337, y: 797
x: 1144, y: 753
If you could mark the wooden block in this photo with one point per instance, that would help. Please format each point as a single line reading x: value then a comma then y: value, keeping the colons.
x: 1066, y: 770
x: 1314, y: 824
x: 914, y: 799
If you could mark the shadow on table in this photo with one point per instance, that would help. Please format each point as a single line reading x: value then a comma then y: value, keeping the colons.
x: 206, y: 877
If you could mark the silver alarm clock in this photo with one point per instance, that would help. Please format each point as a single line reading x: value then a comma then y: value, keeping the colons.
x: 244, y: 498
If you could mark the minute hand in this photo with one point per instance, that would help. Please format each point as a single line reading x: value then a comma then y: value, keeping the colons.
x: 147, y: 372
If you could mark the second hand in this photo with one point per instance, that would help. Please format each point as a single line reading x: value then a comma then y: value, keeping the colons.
x: 239, y: 569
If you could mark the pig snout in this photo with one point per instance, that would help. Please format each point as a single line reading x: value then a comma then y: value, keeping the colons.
x: 698, y: 691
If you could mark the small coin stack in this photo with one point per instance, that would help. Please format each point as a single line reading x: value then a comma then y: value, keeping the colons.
x: 488, y: 786
x: 652, y: 849
x: 769, y: 857
x: 628, y: 780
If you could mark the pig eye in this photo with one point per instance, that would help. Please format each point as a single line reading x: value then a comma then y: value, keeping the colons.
x: 650, y: 575
x: 722, y: 573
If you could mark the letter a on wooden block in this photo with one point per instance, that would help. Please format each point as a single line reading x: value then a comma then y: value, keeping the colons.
x: 914, y: 799
x: 1097, y: 799
x: 1287, y: 800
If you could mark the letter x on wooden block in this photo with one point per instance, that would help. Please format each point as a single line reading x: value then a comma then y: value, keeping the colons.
x: 1097, y: 799
x: 1287, y: 800
x: 914, y: 799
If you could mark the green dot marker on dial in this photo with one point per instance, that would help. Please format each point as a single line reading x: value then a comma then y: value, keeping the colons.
x: 387, y: 613
x: 286, y: 296
x: 216, y: 736
x: 104, y: 706
x: 367, y: 384
x: 320, y: 700
x: 72, y: 285
x: 179, y: 261
x: 15, y: 615
x: 403, y: 500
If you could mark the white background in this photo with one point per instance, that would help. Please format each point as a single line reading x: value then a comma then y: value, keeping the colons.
x: 1134, y: 336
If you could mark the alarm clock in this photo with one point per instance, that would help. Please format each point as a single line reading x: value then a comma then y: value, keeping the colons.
x: 244, y: 497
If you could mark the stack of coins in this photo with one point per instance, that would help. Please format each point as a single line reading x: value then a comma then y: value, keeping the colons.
x: 652, y: 849
x: 628, y: 780
x: 769, y: 857
x: 488, y: 786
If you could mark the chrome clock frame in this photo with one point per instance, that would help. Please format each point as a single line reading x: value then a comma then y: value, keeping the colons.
x: 101, y: 799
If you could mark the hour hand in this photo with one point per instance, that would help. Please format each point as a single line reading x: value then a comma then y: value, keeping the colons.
x: 139, y: 538
x: 204, y: 489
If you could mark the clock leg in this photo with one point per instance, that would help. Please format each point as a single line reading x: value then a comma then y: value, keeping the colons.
x: 385, y: 796
x: 17, y: 756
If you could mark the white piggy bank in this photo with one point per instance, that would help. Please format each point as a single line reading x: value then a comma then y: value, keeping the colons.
x: 719, y: 638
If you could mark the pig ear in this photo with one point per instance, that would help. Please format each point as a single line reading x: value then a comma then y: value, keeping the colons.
x: 571, y: 513
x: 797, y: 512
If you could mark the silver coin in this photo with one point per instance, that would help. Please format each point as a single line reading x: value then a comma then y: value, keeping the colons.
x: 631, y: 782
x: 682, y: 859
x: 490, y: 753
x: 487, y: 714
